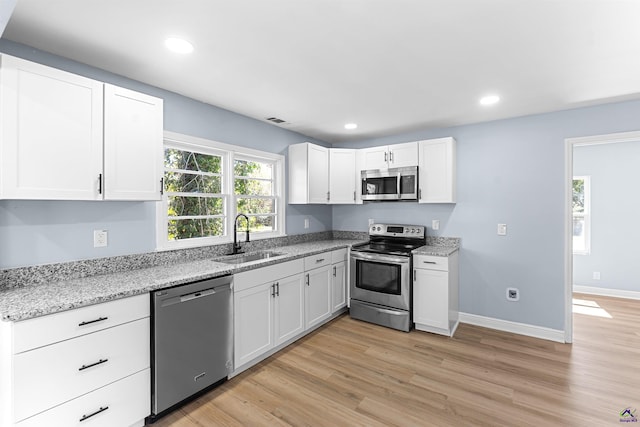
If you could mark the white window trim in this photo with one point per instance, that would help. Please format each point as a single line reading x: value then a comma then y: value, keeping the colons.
x: 228, y: 153
x: 586, y: 216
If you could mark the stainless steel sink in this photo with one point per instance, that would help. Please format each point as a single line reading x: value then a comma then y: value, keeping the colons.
x: 249, y: 257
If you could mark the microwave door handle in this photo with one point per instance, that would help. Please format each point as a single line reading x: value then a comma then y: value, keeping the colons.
x: 398, y: 187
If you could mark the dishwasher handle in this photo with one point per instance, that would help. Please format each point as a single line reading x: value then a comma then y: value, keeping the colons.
x: 178, y: 299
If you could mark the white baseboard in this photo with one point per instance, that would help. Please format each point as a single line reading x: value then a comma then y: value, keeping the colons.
x: 514, y: 327
x: 605, y: 292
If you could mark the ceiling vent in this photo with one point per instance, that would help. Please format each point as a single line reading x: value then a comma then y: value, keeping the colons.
x: 275, y: 120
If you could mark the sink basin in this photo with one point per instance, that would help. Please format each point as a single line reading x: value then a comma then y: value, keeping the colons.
x: 242, y: 258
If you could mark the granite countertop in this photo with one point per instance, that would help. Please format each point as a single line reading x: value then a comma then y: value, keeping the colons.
x: 25, y: 302
x: 435, y: 250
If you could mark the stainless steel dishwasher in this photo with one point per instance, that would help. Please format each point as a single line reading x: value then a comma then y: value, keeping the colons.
x: 191, y: 341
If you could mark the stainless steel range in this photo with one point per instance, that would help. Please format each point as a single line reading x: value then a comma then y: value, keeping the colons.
x: 381, y: 275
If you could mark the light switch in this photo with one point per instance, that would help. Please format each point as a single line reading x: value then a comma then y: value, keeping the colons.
x: 435, y: 224
x: 306, y: 223
x: 502, y: 229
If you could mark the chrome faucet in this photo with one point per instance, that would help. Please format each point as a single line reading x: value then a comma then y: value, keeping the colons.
x: 236, y: 246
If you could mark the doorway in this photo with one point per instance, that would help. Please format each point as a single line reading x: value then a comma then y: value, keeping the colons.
x: 571, y: 144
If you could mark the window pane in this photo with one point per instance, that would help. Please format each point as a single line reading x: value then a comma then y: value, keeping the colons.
x: 578, y: 195
x: 263, y: 224
x: 253, y: 169
x: 255, y: 206
x: 190, y: 228
x: 579, y: 234
x: 180, y: 159
x: 195, y: 206
x: 176, y: 182
x: 251, y: 187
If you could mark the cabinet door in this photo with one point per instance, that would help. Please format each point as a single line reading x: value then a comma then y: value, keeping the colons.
x: 318, y: 173
x: 339, y: 286
x: 401, y: 155
x: 437, y: 171
x: 253, y: 323
x: 342, y: 183
x: 51, y: 126
x: 431, y: 298
x: 289, y: 305
x: 133, y: 162
x: 375, y: 158
x: 317, y: 296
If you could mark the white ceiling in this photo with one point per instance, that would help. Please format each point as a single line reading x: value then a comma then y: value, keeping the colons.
x: 389, y: 65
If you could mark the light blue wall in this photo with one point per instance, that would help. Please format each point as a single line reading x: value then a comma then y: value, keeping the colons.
x: 40, y: 232
x: 509, y: 171
x: 615, y: 205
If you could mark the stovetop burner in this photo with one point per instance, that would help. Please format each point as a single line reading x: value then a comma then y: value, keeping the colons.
x: 393, y: 239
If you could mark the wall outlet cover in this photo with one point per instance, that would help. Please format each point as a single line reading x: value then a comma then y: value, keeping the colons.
x: 99, y: 238
x: 513, y: 294
x: 435, y: 224
x: 502, y: 229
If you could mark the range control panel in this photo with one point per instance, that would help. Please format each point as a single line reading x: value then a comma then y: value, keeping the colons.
x: 397, y: 230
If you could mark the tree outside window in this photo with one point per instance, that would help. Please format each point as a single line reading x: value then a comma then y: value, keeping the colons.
x: 581, y: 215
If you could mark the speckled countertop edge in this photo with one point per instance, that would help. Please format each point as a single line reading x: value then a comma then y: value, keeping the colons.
x: 435, y: 250
x: 36, y: 300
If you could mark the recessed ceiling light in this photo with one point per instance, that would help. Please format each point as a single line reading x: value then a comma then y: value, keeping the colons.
x: 178, y: 45
x: 351, y: 126
x: 489, y: 99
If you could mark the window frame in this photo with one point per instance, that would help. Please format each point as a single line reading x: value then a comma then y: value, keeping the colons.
x: 228, y: 153
x: 586, y: 216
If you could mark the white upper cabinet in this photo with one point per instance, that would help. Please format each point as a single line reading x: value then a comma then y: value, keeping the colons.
x: 51, y: 133
x: 437, y: 171
x: 308, y: 174
x: 55, y: 127
x: 342, y: 176
x: 390, y: 156
x: 132, y: 145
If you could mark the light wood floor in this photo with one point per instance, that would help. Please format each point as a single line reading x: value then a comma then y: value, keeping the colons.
x: 351, y: 373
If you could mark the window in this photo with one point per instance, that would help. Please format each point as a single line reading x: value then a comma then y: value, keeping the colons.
x: 255, y: 193
x: 581, y: 215
x: 206, y: 184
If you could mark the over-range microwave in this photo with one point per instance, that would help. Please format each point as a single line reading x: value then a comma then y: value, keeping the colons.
x: 390, y: 184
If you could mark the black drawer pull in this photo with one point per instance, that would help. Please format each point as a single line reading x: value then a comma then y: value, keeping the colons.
x: 99, y: 362
x: 86, y: 417
x: 99, y: 319
x: 429, y: 262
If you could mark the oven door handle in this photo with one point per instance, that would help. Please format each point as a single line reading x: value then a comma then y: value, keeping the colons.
x: 380, y: 257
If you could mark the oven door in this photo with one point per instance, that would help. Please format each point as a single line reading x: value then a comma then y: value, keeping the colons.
x: 381, y: 279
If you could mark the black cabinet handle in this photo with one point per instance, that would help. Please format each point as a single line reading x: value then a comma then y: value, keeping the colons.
x: 100, y: 184
x: 99, y: 319
x: 99, y: 362
x: 273, y: 290
x: 161, y: 186
x: 278, y: 288
x: 86, y: 417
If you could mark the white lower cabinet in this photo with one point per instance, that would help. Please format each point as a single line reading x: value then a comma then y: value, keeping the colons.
x: 339, y: 260
x: 277, y: 304
x: 318, y: 302
x: 122, y: 403
x: 435, y: 293
x: 268, y: 309
x: 93, y: 360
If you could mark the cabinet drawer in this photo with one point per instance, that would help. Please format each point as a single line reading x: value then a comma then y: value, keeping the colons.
x: 271, y: 273
x: 339, y: 255
x: 431, y: 262
x: 318, y: 260
x: 54, y: 374
x: 126, y: 401
x: 41, y: 331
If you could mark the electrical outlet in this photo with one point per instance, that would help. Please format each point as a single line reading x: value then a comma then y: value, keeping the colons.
x: 435, y: 224
x: 502, y: 229
x: 371, y: 221
x: 596, y: 275
x: 306, y: 223
x: 99, y: 238
x: 513, y: 294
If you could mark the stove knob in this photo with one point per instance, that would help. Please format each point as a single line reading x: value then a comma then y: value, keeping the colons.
x: 378, y: 228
